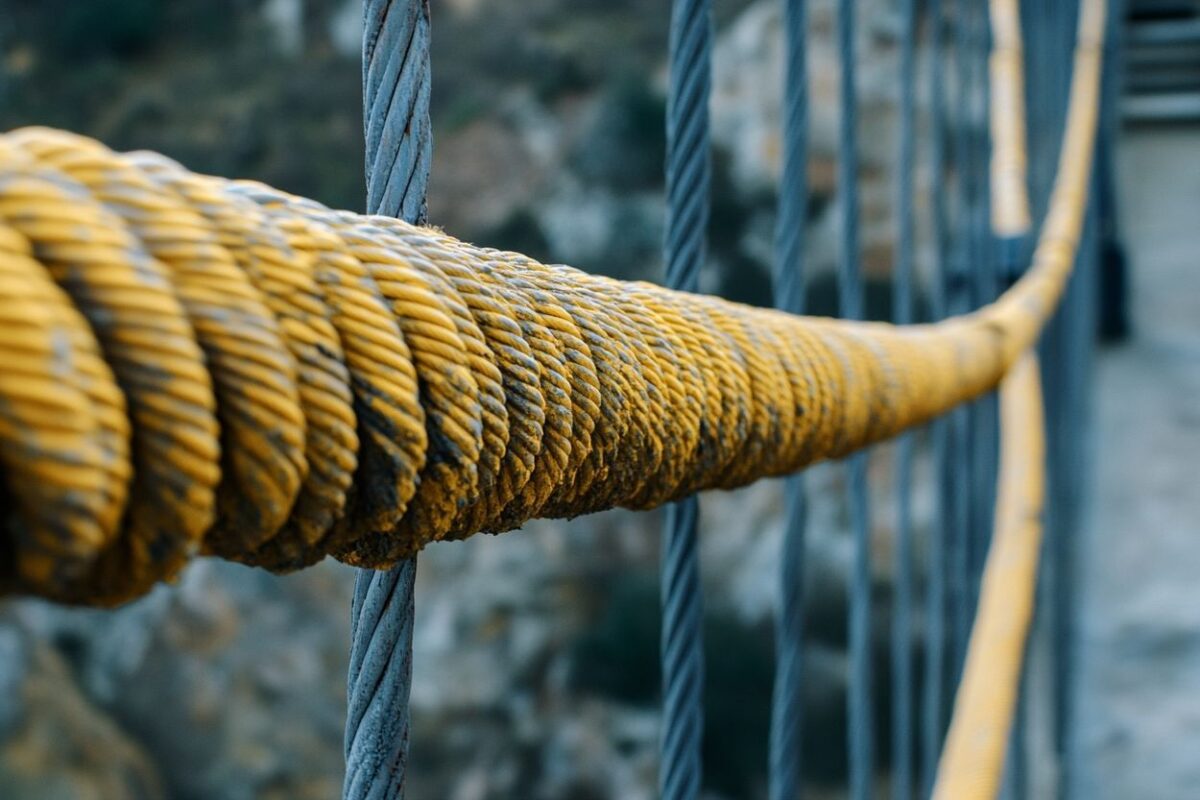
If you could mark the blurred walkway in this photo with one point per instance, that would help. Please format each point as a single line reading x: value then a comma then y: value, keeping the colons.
x: 1139, y: 702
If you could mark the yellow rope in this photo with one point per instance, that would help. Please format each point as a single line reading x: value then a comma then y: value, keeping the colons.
x: 972, y: 762
x: 1006, y: 75
x: 265, y: 379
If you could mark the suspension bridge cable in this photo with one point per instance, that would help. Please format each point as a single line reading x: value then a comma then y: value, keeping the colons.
x: 397, y: 132
x: 972, y: 763
x: 687, y: 181
x: 1010, y: 223
x: 430, y: 340
x: 959, y: 302
x: 983, y: 412
x: 850, y: 301
x: 902, y: 300
x: 785, y: 768
x: 934, y: 679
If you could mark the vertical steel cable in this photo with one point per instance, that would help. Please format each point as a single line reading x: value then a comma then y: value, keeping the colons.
x: 850, y: 301
x: 1078, y: 327
x: 1063, y: 351
x: 787, y: 706
x: 985, y: 442
x: 688, y: 177
x: 1113, y: 322
x: 396, y: 126
x: 1011, y: 225
x: 935, y: 576
x: 1038, y: 52
x: 959, y: 302
x: 934, y: 680
x: 902, y: 300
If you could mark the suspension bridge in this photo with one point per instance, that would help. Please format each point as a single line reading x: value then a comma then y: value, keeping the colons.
x: 201, y: 366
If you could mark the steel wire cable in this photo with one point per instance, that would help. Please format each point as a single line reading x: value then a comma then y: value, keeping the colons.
x: 398, y: 139
x: 687, y: 187
x: 785, y: 767
x: 394, y: 294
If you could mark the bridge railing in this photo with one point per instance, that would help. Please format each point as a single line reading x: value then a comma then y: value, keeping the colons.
x: 436, y: 371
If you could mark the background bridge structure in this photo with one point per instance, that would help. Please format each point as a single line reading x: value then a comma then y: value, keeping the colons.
x: 1014, y: 93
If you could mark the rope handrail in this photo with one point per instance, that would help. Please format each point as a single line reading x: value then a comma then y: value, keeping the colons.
x: 972, y: 762
x: 191, y: 364
x: 1006, y: 72
x: 284, y: 381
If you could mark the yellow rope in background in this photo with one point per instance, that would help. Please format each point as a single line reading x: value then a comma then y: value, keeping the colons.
x: 189, y: 364
x: 1006, y: 116
x: 972, y: 762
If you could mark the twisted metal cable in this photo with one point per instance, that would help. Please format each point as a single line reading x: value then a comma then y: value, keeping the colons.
x: 687, y: 187
x: 399, y: 147
x: 1068, y: 410
x: 1011, y: 221
x: 972, y: 765
x: 850, y: 303
x: 902, y: 299
x: 785, y: 772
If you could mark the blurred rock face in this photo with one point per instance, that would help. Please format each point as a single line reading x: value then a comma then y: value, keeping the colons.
x: 536, y: 672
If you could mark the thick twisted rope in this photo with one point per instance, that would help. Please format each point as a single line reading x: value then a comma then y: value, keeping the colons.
x: 153, y: 302
x: 687, y: 187
x: 398, y: 137
x: 786, y: 768
x: 972, y: 764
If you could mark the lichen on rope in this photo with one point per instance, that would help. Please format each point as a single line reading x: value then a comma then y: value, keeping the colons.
x: 194, y: 365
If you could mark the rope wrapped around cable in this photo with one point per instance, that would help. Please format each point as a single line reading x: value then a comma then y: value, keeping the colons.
x: 192, y: 365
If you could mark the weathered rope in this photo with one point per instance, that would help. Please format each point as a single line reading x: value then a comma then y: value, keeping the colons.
x: 435, y: 343
x: 934, y: 677
x: 785, y: 767
x: 687, y: 186
x: 398, y: 138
